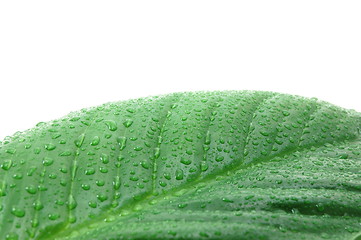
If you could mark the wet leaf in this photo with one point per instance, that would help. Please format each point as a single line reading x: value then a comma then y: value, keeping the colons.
x: 196, y: 165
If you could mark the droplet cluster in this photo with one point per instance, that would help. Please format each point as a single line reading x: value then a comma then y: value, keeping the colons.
x: 228, y: 160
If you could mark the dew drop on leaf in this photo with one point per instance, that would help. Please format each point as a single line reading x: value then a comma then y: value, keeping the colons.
x: 112, y: 126
x: 18, y: 212
x: 95, y: 141
x: 127, y: 123
x: 6, y: 165
x: 49, y: 146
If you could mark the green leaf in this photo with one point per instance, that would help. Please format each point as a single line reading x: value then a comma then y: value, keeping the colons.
x: 196, y: 165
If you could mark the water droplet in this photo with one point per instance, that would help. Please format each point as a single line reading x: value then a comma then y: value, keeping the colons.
x: 203, y: 235
x: 74, y: 119
x: 31, y: 171
x: 86, y: 123
x: 162, y: 184
x: 6, y: 165
x: 185, y: 161
x: 208, y: 138
x: 92, y: 204
x: 156, y: 153
x: 72, y: 219
x: 79, y: 142
x: 173, y: 233
x: 116, y: 183
x: 95, y: 141
x: 127, y: 123
x: 130, y: 110
x: 249, y: 197
x: 219, y: 158
x: 167, y: 176
x: 72, y: 203
x: 102, y: 197
x: 18, y: 212
x: 204, y: 166
x: 285, y: 113
x: 320, y: 207
x: 48, y: 161
x: 227, y: 200
x: 144, y: 164
x: 35, y: 223
x: 134, y: 178
x: 50, y: 146
x: 189, y: 152
x: 10, y: 150
x: 18, y: 176
x: 189, y: 139
x: 27, y: 145
x: 89, y: 171
x: 65, y: 154
x: 31, y: 189
x: 264, y: 133
x: 182, y: 205
x: 179, y: 174
x: 100, y: 183
x: 138, y: 149
x: 343, y: 156
x: 112, y: 126
x: 53, y: 216
x: 2, y: 192
x: 85, y: 186
x: 12, y: 236
x: 122, y: 142
x: 37, y: 150
x: 104, y: 158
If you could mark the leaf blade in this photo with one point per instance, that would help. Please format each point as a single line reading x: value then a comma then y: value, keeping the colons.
x: 103, y: 160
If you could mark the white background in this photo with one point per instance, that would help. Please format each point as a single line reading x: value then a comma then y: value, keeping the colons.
x: 61, y: 56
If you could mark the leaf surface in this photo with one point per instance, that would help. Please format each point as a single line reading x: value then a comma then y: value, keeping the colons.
x: 196, y: 165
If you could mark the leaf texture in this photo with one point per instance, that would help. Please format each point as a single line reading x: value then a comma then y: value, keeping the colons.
x: 193, y: 165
